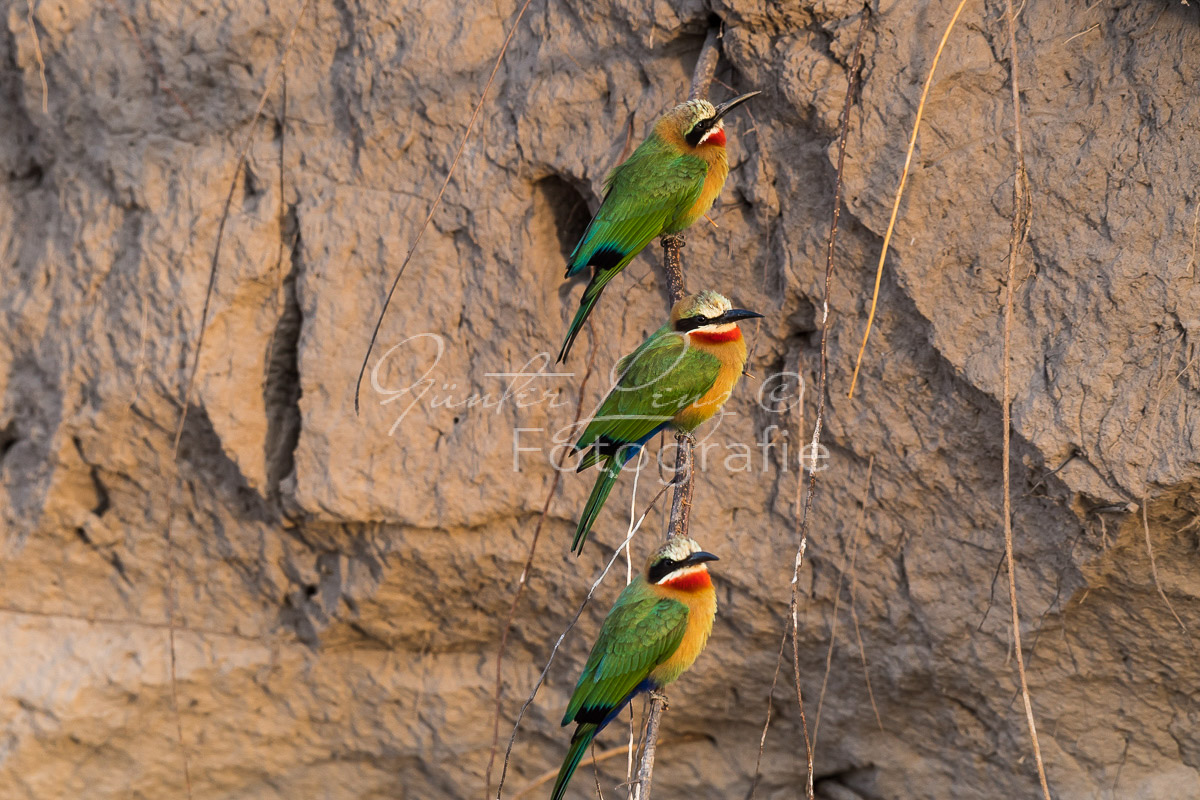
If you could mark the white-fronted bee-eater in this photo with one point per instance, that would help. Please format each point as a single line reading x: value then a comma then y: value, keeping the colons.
x: 678, y: 378
x: 655, y: 630
x: 670, y: 181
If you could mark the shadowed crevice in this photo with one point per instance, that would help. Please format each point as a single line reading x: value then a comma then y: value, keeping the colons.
x: 281, y: 392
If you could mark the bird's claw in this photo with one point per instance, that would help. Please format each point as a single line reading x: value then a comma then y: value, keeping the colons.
x: 662, y: 698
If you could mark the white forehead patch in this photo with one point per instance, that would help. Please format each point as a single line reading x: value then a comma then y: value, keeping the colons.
x: 679, y: 548
x: 711, y: 304
x: 698, y: 109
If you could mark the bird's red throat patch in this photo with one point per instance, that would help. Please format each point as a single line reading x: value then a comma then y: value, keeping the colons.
x: 690, y: 581
x: 731, y: 335
x: 716, y: 137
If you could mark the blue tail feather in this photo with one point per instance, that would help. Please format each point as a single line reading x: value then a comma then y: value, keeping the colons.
x: 584, y: 734
x: 613, y: 464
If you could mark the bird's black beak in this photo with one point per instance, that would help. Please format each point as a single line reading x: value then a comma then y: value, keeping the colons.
x: 735, y: 314
x: 699, y: 558
x: 730, y: 105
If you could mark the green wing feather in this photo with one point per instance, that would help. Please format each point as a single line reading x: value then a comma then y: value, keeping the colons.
x: 658, y: 380
x: 640, y: 632
x: 654, y: 186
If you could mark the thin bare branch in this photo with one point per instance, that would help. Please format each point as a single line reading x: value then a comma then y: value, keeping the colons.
x: 862, y: 651
x: 762, y: 741
x: 837, y: 596
x: 681, y: 501
x: 804, y: 507
x: 706, y: 65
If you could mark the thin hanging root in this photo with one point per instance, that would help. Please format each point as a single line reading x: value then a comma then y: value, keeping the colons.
x: 522, y: 581
x: 837, y: 596
x: 233, y: 182
x: 804, y: 505
x: 437, y: 201
x: 887, y: 237
x: 1154, y: 574
x: 1020, y: 231
x: 37, y: 54
x: 1167, y: 386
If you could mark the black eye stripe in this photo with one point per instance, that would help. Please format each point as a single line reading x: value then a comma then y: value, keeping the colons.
x: 691, y: 323
x: 698, y: 130
x: 662, y: 569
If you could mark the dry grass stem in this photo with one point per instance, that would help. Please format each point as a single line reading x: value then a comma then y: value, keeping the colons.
x: 887, y: 237
x: 437, y: 201
x: 762, y: 740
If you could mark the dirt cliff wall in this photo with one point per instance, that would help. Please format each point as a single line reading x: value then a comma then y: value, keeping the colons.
x: 341, y: 580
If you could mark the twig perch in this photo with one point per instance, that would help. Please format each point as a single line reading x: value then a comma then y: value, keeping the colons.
x: 681, y: 500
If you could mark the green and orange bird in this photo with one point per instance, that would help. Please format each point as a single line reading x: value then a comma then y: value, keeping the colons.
x: 655, y: 630
x: 667, y: 183
x: 678, y: 378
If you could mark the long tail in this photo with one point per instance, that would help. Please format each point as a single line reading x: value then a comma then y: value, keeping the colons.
x: 604, y: 484
x: 579, y: 745
x: 590, y: 296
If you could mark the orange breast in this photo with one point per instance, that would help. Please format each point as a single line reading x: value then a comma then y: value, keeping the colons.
x: 718, y: 171
x: 702, y: 610
x: 732, y: 355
